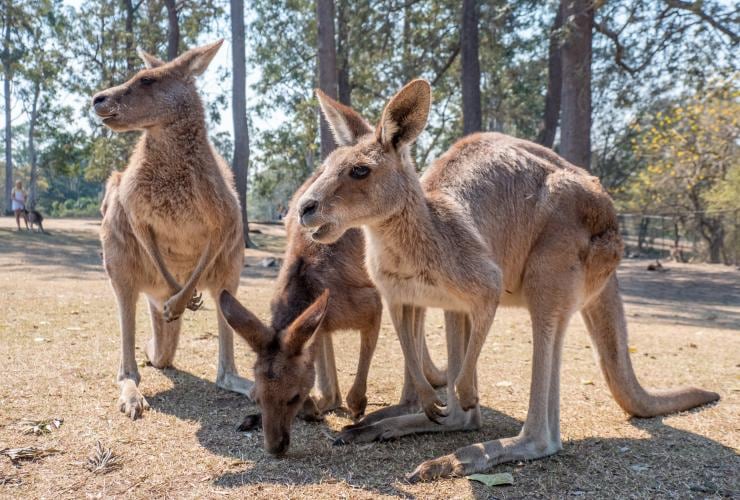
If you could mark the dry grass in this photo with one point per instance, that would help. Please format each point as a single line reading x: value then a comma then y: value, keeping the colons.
x: 59, y: 353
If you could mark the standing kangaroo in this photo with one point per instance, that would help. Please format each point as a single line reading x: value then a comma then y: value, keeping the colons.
x: 288, y: 361
x: 171, y: 217
x: 495, y: 220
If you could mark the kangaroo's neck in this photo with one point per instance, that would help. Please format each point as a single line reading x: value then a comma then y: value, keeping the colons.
x: 180, y: 144
x: 410, y: 232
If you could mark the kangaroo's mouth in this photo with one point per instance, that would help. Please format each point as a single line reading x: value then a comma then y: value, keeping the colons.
x: 321, y: 231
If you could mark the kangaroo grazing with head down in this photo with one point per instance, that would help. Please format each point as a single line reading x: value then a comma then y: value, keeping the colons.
x: 320, y: 289
x: 171, y: 219
x: 495, y: 220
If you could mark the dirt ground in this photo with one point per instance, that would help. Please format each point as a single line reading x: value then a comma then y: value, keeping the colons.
x: 59, y: 354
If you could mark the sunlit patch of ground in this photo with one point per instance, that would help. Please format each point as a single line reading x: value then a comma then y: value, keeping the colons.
x: 59, y: 355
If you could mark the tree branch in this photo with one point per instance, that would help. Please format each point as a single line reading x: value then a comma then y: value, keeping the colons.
x: 695, y: 8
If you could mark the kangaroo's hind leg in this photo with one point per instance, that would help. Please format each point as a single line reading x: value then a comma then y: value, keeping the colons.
x: 160, y: 350
x: 227, y: 376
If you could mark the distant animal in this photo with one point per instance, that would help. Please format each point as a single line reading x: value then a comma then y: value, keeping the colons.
x: 35, y: 217
x: 171, y: 220
x: 495, y: 220
x: 320, y: 289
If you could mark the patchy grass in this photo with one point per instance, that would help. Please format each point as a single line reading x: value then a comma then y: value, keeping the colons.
x: 59, y: 350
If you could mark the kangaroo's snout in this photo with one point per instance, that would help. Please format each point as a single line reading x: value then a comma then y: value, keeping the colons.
x: 307, y: 210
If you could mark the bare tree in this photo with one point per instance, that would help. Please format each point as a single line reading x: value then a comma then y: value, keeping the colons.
x: 173, y: 30
x: 240, y: 163
x: 344, y: 86
x: 575, y: 125
x: 327, y: 65
x: 7, y: 77
x: 470, y: 67
x: 551, y: 115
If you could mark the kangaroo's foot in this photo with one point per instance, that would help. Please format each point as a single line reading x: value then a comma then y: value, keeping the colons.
x: 387, y: 412
x: 131, y: 402
x: 395, y: 427
x: 231, y: 381
x: 327, y: 402
x: 482, y: 456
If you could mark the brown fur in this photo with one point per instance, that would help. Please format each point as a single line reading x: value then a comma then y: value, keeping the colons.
x: 495, y: 220
x: 171, y: 220
x: 308, y: 271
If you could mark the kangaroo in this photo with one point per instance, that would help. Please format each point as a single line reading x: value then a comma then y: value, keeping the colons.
x: 285, y: 372
x: 495, y: 220
x: 35, y: 217
x: 171, y: 219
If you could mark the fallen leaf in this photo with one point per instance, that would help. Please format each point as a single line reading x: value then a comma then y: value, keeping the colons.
x: 103, y: 460
x: 36, y: 427
x: 500, y: 479
x: 587, y: 382
x: 633, y: 349
x: 30, y: 453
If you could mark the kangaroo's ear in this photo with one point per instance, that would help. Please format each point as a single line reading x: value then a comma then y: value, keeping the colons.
x: 195, y: 61
x: 305, y: 326
x: 405, y: 115
x: 346, y: 124
x: 244, y: 323
x: 150, y: 61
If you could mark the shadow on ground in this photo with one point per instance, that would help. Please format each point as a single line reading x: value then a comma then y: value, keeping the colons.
x: 683, y: 296
x: 584, y: 467
x: 79, y: 252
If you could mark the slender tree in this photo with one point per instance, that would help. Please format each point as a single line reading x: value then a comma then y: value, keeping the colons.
x: 551, y: 115
x: 7, y: 77
x: 470, y: 67
x: 575, y: 125
x: 344, y: 87
x: 173, y: 30
x: 239, y: 105
x: 327, y: 65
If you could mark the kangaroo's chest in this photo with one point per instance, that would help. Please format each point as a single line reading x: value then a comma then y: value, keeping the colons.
x: 402, y: 281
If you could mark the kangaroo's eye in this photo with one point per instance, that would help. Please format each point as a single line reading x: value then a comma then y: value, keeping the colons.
x: 294, y: 400
x: 147, y: 81
x: 359, y: 172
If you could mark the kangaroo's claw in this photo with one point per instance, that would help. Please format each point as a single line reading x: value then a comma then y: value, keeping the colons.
x: 196, y: 301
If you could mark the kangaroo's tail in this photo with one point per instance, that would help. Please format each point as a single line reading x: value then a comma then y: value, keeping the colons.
x: 604, y: 317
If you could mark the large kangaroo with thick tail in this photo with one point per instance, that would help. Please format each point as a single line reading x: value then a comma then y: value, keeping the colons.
x: 495, y: 220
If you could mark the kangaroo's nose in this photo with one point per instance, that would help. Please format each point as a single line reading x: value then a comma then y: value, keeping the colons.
x: 308, y: 207
x: 99, y: 99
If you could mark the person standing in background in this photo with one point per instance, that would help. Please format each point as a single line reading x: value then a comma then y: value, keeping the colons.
x: 18, y: 197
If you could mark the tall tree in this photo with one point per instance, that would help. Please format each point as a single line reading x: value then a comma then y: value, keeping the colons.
x: 239, y: 106
x: 551, y: 115
x: 8, y: 62
x: 173, y: 30
x: 344, y: 86
x: 575, y: 126
x: 470, y: 67
x: 327, y: 65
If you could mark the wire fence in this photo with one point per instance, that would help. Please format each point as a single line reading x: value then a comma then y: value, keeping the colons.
x: 708, y: 236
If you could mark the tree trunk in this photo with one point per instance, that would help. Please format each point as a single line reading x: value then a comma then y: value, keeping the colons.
x: 32, y: 145
x: 327, y: 63
x: 575, y: 124
x: 129, y: 28
x: 173, y: 30
x: 551, y: 115
x: 344, y: 87
x: 239, y: 107
x: 8, y: 130
x: 470, y: 67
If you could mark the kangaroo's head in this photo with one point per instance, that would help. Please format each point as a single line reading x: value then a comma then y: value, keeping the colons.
x: 366, y: 179
x: 157, y: 95
x: 284, y: 371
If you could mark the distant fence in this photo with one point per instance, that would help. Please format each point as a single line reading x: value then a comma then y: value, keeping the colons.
x: 709, y: 236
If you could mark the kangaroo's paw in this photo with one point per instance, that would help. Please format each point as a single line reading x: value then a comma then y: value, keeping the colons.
x: 356, y: 402
x: 196, y: 301
x: 131, y: 402
x: 466, y: 394
x: 327, y: 402
x: 174, y: 307
x: 310, y: 411
x: 251, y: 423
